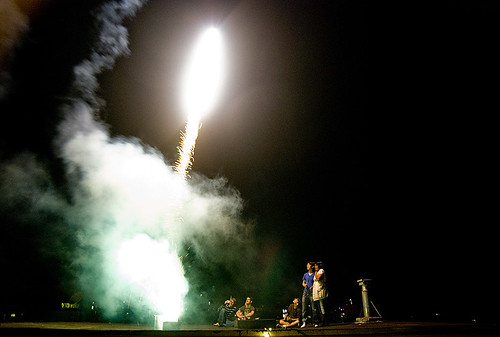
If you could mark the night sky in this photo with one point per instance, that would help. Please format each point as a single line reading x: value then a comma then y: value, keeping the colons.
x: 359, y: 135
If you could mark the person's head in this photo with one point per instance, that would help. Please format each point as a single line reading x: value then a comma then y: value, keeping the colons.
x: 310, y: 266
x: 232, y: 301
x: 248, y: 301
x: 318, y: 265
x: 296, y: 301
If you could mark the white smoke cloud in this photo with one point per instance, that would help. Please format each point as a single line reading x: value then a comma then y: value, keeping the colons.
x: 112, y: 42
x: 128, y: 212
x: 122, y: 188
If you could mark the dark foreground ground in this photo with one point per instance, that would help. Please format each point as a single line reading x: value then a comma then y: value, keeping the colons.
x: 351, y: 329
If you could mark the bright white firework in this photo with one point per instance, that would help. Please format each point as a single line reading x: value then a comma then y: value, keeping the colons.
x: 153, y: 266
x: 202, y: 83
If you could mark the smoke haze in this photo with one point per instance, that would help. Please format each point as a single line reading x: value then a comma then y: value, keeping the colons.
x: 116, y: 225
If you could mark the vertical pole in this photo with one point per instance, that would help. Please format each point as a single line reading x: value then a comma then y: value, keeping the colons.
x: 366, y: 303
x: 364, y: 296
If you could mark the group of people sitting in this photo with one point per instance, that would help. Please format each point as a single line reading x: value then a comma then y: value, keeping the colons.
x: 314, y: 294
x: 228, y: 312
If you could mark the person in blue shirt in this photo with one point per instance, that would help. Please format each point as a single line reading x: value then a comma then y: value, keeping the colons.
x: 307, y: 297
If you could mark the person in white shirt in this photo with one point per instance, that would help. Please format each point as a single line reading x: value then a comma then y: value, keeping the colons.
x: 320, y: 293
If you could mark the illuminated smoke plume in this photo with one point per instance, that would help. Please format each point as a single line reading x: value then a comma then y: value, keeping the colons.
x: 126, y: 211
x: 124, y: 200
x: 111, y: 43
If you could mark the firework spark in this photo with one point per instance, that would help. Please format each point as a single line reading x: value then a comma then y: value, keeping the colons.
x: 202, y: 83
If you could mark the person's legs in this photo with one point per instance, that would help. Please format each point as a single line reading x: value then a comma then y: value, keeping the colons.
x: 222, y: 317
x: 314, y: 311
x: 305, y: 301
x: 322, y: 311
x: 321, y: 306
x: 289, y: 322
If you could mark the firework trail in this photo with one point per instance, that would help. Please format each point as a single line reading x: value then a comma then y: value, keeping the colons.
x: 186, y: 146
x: 201, y: 84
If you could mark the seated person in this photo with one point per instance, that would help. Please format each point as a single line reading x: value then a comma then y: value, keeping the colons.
x: 227, y: 313
x: 247, y: 311
x: 292, y: 317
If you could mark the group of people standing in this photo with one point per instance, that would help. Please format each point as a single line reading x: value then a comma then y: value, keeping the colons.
x: 314, y: 295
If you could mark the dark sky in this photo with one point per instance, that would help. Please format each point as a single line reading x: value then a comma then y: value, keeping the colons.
x: 357, y: 134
